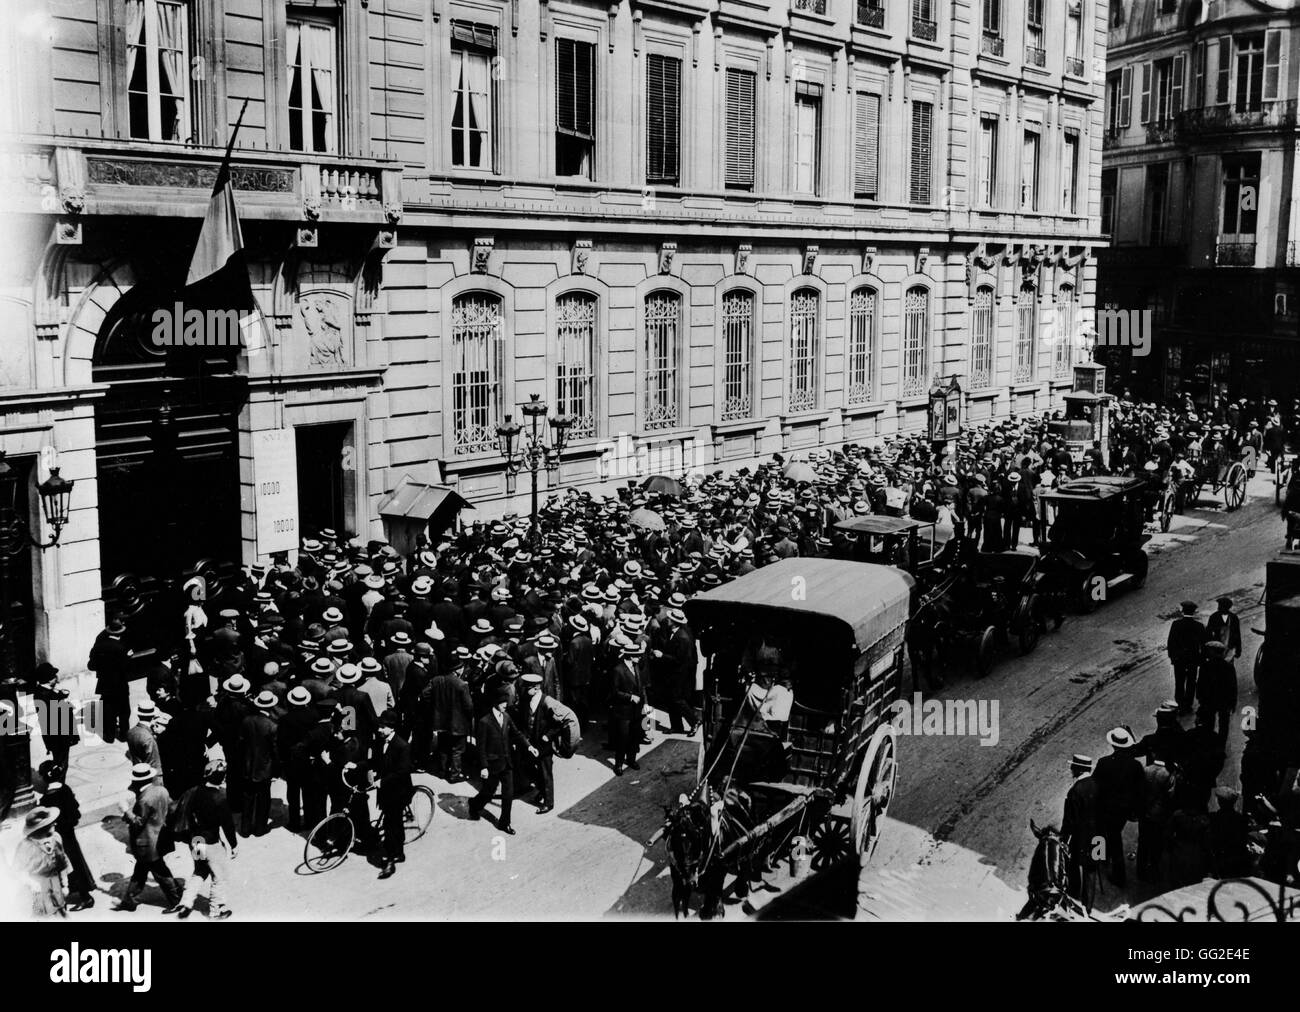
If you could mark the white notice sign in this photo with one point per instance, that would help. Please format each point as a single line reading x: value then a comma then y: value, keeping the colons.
x: 275, y: 490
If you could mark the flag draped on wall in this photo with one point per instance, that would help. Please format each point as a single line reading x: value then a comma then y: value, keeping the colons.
x: 218, y: 274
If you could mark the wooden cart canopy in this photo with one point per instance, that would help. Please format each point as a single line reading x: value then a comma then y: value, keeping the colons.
x: 867, y: 600
x: 1100, y: 487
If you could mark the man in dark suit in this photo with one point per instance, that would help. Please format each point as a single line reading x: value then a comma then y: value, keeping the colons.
x: 548, y: 725
x: 1216, y: 689
x: 257, y: 750
x: 358, y: 707
x: 682, y: 660
x: 626, y: 697
x: 495, y: 734
x: 1225, y: 627
x: 1121, y: 787
x: 577, y: 666
x: 1186, y: 641
x: 451, y: 716
x: 393, y: 774
x: 291, y: 730
x: 109, y: 660
x: 57, y: 715
x: 1079, y: 828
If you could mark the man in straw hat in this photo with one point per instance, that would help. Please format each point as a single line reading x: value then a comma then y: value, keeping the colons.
x: 109, y: 660
x: 393, y: 768
x: 1079, y: 828
x: 1120, y: 789
x: 257, y: 751
x: 146, y: 819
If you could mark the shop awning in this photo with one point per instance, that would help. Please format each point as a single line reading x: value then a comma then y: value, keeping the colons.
x: 418, y: 500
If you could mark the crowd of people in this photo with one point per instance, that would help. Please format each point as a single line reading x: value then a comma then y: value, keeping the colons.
x: 487, y: 653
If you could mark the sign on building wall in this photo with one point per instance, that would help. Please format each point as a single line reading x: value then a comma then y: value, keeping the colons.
x: 275, y: 490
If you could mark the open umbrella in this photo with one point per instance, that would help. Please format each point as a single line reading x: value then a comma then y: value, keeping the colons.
x: 798, y: 470
x: 647, y: 520
x: 662, y: 484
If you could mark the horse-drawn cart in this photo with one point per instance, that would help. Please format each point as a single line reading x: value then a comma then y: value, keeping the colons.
x: 804, y: 659
x: 1222, y: 476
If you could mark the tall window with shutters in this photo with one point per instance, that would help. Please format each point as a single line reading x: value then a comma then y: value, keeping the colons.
x: 805, y: 309
x: 663, y: 324
x: 807, y: 136
x: 663, y: 87
x: 1070, y: 174
x: 1024, y: 366
x: 922, y: 142
x: 916, y: 342
x: 861, y: 378
x: 1223, y: 71
x: 737, y: 355
x: 1029, y: 165
x: 988, y: 161
x: 477, y: 367
x: 575, y: 362
x: 866, y: 146
x: 313, y: 84
x: 1067, y: 315
x: 575, y: 108
x: 740, y: 114
x: 158, y: 69
x: 981, y: 339
x: 473, y: 110
x: 1250, y: 72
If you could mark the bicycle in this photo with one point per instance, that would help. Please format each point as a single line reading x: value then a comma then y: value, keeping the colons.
x: 330, y: 841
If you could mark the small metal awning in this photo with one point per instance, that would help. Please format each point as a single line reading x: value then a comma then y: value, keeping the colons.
x: 418, y: 500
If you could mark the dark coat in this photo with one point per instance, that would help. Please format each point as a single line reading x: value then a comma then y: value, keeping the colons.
x: 257, y: 749
x: 365, y: 722
x: 1120, y: 786
x: 394, y: 769
x: 626, y: 693
x: 1186, y: 640
x: 494, y: 741
x: 1226, y: 629
x: 577, y: 661
x: 1216, y: 687
x: 452, y: 706
x: 1079, y: 817
x: 142, y: 746
x: 110, y: 661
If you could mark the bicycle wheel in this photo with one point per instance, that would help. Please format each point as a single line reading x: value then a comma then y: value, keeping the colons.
x: 327, y: 845
x: 419, y: 813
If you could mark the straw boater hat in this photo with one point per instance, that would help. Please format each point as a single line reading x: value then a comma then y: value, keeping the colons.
x: 339, y: 647
x: 348, y: 674
x: 236, y: 684
x: 375, y: 582
x: 578, y: 623
x: 322, y: 666
x: 146, y: 711
x: 1120, y: 737
x: 266, y: 700
x: 402, y: 638
x: 332, y: 616
x: 299, y: 696
x: 39, y: 818
x: 547, y: 642
x: 142, y: 773
x: 370, y: 666
x: 481, y: 626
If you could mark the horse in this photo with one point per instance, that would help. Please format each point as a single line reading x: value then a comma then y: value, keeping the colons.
x: 695, y: 831
x: 1049, y: 879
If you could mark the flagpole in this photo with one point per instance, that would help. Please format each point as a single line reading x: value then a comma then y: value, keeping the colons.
x: 239, y: 120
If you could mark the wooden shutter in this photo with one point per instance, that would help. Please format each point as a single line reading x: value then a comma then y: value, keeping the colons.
x: 1176, y: 85
x: 1126, y: 96
x: 663, y: 77
x: 1272, y: 66
x: 1223, y: 71
x: 573, y: 87
x: 1145, y: 116
x: 740, y: 128
x: 1199, y: 57
x: 866, y: 146
x: 922, y: 117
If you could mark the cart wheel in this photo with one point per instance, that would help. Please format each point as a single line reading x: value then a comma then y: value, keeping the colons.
x: 1235, y: 493
x: 985, y: 651
x: 1030, y: 629
x: 877, y: 780
x: 329, y: 842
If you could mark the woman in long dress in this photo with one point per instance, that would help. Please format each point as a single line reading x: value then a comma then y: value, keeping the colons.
x: 41, y: 861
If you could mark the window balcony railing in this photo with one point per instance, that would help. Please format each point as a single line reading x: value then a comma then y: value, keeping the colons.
x: 871, y: 14
x: 1074, y: 66
x: 991, y: 44
x: 1234, y: 254
x: 1225, y: 118
x: 926, y: 31
x: 1035, y: 57
x: 1162, y: 131
x: 809, y: 6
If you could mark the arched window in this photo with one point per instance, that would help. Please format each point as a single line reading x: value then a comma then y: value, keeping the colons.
x: 862, y: 346
x: 663, y: 325
x: 804, y: 311
x: 575, y: 362
x: 916, y: 342
x: 1026, y: 335
x: 737, y: 355
x: 981, y: 341
x: 1066, y: 320
x: 477, y: 366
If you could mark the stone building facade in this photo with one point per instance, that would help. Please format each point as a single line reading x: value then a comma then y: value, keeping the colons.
x: 706, y: 229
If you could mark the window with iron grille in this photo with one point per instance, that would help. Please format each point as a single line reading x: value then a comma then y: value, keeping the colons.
x: 575, y: 362
x: 866, y: 146
x: 1026, y: 335
x: 477, y: 355
x: 923, y: 23
x: 1066, y: 320
x: 663, y: 81
x: 981, y: 342
x: 871, y: 13
x: 740, y: 129
x: 473, y: 50
x: 575, y: 103
x: 804, y: 312
x: 916, y: 342
x: 737, y: 356
x: 862, y: 347
x: 663, y: 322
x: 922, y: 139
x: 158, y: 69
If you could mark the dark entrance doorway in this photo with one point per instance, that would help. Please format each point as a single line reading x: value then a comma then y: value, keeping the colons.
x: 167, y: 449
x: 17, y: 604
x: 326, y: 478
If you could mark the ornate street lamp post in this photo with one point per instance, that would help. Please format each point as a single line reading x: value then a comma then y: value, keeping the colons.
x: 534, y: 454
x: 15, y: 538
